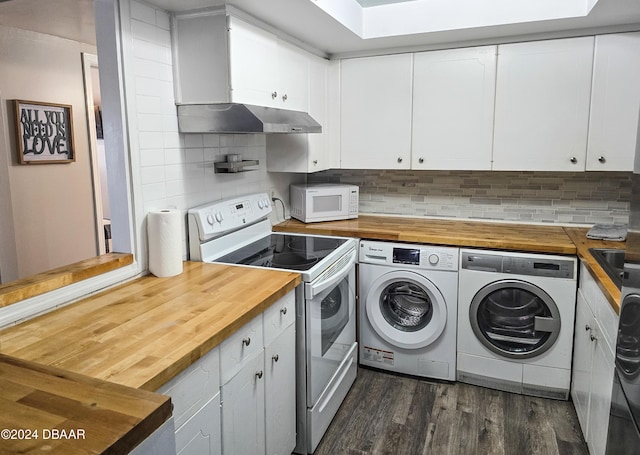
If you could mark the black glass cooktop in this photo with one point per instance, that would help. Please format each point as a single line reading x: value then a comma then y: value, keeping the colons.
x: 284, y: 251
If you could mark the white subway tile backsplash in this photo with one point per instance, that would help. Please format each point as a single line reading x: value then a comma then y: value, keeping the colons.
x: 193, y: 140
x: 152, y: 157
x: 152, y: 174
x: 149, y: 122
x: 154, y: 191
x: 172, y: 139
x: 148, y: 104
x: 174, y: 156
x: 150, y: 140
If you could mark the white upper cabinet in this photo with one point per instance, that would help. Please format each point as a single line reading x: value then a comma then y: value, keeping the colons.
x: 305, y: 152
x: 542, y: 105
x: 615, y: 102
x: 453, y: 106
x: 375, y: 112
x: 221, y: 59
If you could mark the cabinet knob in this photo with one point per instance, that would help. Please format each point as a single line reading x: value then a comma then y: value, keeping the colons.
x: 274, y: 95
x: 593, y: 337
x: 602, y: 159
x: 284, y: 97
x: 259, y: 374
x: 420, y: 160
x: 399, y: 159
x: 275, y: 357
x: 574, y: 160
x: 283, y: 310
x: 587, y: 328
x: 315, y: 162
x: 246, y: 341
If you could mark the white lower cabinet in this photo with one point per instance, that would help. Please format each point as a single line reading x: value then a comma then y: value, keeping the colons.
x: 593, y: 362
x: 240, y: 398
x: 259, y: 400
x: 195, y: 396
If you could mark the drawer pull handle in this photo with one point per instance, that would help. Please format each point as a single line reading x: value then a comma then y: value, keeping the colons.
x: 275, y: 357
x: 602, y: 159
x: 274, y: 95
x: 587, y: 328
x: 259, y: 374
x: 573, y: 160
x: 246, y: 341
x: 283, y: 310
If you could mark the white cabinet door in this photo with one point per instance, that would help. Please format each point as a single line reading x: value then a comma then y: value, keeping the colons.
x: 375, y: 120
x: 615, y: 103
x: 253, y: 57
x: 601, y: 386
x: 542, y: 105
x: 453, y: 107
x: 305, y: 152
x: 243, y: 418
x: 280, y: 396
x: 292, y: 83
x: 201, y: 434
x: 583, y: 349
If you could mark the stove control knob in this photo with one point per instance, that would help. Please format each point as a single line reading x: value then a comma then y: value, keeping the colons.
x: 261, y: 204
x: 266, y: 203
x: 219, y: 217
x: 210, y: 219
x: 434, y: 259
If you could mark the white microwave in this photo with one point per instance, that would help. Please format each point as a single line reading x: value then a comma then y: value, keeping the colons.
x: 311, y: 203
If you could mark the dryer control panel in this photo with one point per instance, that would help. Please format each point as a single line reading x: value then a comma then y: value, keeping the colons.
x: 409, y: 256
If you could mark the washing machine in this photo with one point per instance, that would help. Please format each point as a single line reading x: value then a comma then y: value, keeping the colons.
x: 407, y: 308
x: 515, y: 321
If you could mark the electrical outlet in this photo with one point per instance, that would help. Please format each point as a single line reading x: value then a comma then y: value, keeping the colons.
x: 273, y: 193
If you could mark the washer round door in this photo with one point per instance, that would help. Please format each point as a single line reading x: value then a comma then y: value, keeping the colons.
x: 514, y: 319
x: 406, y: 309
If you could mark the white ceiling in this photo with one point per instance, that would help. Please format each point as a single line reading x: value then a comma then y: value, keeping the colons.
x: 306, y: 21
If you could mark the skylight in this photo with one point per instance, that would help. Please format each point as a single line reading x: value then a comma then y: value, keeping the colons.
x: 407, y: 17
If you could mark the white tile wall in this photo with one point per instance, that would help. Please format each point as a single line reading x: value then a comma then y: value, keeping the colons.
x: 177, y: 170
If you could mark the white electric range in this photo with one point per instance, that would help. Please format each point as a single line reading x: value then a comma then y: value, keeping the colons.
x: 237, y: 231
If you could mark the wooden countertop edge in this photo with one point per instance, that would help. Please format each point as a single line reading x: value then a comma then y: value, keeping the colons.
x: 41, y: 283
x: 608, y: 288
x: 143, y: 428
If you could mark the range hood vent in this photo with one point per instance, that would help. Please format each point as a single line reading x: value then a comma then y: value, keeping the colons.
x: 243, y: 118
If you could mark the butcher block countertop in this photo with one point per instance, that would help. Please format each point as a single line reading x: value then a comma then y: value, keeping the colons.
x: 523, y: 237
x: 144, y: 332
x: 62, y: 412
x: 478, y: 234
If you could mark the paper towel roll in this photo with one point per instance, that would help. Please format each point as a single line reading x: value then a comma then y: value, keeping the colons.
x: 164, y: 229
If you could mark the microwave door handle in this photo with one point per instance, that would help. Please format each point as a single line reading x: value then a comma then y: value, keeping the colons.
x: 333, y: 278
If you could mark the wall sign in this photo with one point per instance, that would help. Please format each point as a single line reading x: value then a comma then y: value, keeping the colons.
x: 44, y: 132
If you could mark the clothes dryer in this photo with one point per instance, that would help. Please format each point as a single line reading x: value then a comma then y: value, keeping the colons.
x: 515, y: 321
x: 407, y: 314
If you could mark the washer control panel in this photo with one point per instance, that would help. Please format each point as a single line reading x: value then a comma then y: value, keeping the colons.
x: 407, y: 256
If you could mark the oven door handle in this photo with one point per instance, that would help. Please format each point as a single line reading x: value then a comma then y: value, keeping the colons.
x: 332, y: 276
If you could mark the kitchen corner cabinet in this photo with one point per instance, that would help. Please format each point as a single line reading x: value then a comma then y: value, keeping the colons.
x: 258, y: 384
x: 542, y: 105
x: 375, y: 112
x: 220, y: 58
x: 305, y: 152
x: 453, y: 107
x: 593, y: 362
x: 615, y: 103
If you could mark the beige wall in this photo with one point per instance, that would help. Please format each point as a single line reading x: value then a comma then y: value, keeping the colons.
x: 51, y: 204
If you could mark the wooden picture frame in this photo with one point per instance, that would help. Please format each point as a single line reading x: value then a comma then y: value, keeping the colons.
x: 44, y: 132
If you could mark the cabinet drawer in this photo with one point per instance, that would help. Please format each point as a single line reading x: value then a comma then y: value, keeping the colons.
x: 192, y: 388
x: 279, y: 316
x: 239, y: 347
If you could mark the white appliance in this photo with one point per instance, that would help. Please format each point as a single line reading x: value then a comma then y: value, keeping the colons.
x: 324, y: 202
x: 237, y: 231
x: 515, y: 321
x: 408, y: 308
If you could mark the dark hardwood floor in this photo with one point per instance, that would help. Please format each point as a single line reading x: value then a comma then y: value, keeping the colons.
x: 393, y: 414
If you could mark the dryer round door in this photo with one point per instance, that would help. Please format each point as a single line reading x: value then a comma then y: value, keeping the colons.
x: 514, y: 319
x: 406, y: 309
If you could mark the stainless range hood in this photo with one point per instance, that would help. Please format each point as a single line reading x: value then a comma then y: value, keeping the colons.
x: 243, y: 118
